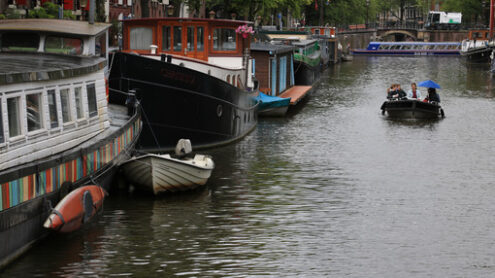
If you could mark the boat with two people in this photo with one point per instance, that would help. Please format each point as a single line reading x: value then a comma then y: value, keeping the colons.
x: 57, y: 130
x: 195, y: 80
x: 399, y: 106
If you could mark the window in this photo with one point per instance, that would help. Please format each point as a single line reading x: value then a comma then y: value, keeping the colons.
x: 14, y: 117
x: 101, y: 45
x: 92, y: 106
x: 1, y: 123
x: 52, y: 107
x: 190, y: 38
x: 200, y: 45
x: 166, y: 38
x: 177, y: 38
x: 224, y: 39
x: 63, y: 45
x: 65, y: 101
x: 33, y: 112
x: 79, y: 102
x: 20, y: 42
x: 141, y: 38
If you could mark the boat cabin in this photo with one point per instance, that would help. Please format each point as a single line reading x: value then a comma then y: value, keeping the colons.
x: 202, y: 39
x: 273, y: 67
x: 212, y: 46
x: 52, y: 87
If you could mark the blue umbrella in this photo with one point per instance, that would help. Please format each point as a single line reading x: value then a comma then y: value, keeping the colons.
x: 429, y: 84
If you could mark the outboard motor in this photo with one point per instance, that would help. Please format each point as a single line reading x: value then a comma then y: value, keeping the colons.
x: 183, y: 147
x: 131, y: 102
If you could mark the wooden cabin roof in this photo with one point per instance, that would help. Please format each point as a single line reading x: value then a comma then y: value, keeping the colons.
x: 53, y: 26
x: 274, y: 48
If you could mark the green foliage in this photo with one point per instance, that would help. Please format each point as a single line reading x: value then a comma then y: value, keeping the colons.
x: 49, y: 10
x: 2, y: 16
x: 471, y: 10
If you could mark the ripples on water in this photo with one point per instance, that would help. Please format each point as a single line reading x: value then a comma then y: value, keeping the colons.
x: 336, y: 190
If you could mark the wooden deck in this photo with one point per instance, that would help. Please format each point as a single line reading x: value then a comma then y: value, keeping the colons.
x: 296, y: 93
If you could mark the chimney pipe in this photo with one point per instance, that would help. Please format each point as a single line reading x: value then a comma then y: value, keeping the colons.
x: 92, y: 10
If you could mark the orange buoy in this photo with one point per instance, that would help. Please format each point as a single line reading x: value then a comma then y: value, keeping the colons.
x: 75, y: 209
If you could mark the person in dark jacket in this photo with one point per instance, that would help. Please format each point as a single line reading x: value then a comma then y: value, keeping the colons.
x: 432, y: 95
x: 395, y: 92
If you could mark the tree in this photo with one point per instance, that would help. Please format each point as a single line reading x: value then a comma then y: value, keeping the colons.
x: 471, y: 9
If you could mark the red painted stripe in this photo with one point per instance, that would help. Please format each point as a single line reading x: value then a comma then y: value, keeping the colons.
x: 5, y: 196
x: 49, y: 185
x: 30, y: 187
x: 67, y: 171
x: 85, y: 165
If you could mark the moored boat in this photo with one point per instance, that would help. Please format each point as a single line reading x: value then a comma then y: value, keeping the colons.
x: 272, y: 106
x: 195, y: 80
x: 57, y: 130
x: 165, y: 173
x: 410, y: 48
x: 412, y: 108
x: 478, y: 47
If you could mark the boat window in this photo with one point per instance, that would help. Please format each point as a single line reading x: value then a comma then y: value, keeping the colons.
x: 14, y: 116
x: 63, y: 45
x: 79, y: 102
x: 166, y: 38
x: 228, y: 78
x: 177, y: 38
x: 141, y: 38
x: 101, y: 45
x: 65, y: 101
x: 52, y: 107
x: 224, y: 39
x: 200, y: 45
x: 190, y: 38
x: 20, y: 42
x: 33, y: 111
x: 1, y: 123
x: 92, y: 107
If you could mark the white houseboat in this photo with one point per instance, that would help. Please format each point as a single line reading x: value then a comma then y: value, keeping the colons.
x: 57, y: 130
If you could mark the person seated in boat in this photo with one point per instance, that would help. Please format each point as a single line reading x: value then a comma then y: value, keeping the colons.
x: 414, y: 93
x: 395, y: 92
x: 432, y: 95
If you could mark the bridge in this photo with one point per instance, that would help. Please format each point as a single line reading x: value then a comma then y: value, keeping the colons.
x: 404, y: 33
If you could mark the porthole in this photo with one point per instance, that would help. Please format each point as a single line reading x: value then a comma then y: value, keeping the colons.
x: 219, y: 110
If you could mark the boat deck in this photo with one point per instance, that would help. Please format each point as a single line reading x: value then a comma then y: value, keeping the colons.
x: 296, y: 93
x: 27, y: 67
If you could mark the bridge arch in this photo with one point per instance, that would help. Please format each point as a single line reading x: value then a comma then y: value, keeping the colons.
x: 413, y: 35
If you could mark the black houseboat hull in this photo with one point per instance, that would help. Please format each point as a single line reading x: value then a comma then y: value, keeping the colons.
x: 479, y: 55
x: 179, y: 102
x: 305, y: 74
x: 51, y: 178
x: 414, y: 109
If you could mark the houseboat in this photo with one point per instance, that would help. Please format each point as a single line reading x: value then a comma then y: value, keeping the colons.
x: 410, y: 48
x: 57, y: 131
x: 195, y: 80
x: 307, y: 53
x: 274, y: 70
x: 478, y: 47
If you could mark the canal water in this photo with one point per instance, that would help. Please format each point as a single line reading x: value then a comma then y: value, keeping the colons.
x: 334, y: 190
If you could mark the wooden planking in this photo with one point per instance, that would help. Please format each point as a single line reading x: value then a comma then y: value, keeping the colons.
x: 296, y: 93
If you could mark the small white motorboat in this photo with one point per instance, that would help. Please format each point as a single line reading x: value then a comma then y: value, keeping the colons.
x: 169, y: 173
